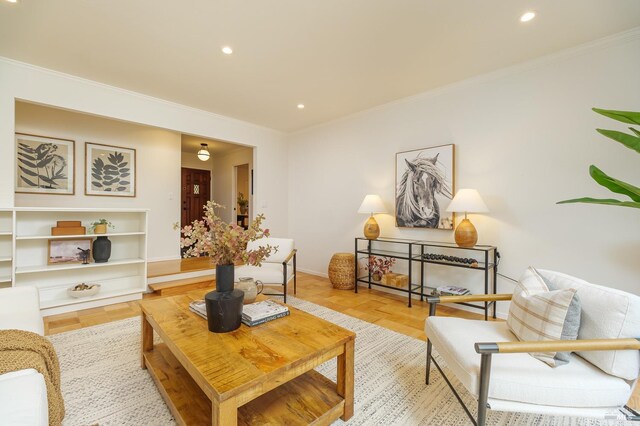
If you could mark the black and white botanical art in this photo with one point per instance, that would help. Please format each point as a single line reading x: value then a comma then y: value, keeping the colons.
x: 424, y: 187
x: 44, y: 165
x: 111, y: 170
x: 112, y: 174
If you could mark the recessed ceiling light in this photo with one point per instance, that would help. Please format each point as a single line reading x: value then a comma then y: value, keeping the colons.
x: 227, y: 50
x: 12, y: 1
x: 300, y: 106
x: 526, y: 17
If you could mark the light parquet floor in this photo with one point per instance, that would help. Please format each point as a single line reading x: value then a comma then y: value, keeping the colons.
x: 373, y: 306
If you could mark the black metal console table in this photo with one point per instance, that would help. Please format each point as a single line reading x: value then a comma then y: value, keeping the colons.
x: 418, y: 251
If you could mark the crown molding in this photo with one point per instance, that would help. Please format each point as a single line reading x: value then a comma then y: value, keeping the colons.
x: 126, y: 92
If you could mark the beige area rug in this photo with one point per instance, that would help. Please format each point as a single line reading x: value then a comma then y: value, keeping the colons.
x: 102, y: 381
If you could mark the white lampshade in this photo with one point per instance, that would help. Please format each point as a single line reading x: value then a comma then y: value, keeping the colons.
x: 203, y: 154
x: 372, y: 204
x: 467, y: 201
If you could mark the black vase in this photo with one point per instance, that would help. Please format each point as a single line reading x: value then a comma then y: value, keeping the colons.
x: 224, y: 304
x: 101, y: 249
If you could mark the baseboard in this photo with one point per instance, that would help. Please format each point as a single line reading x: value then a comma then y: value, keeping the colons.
x: 310, y: 272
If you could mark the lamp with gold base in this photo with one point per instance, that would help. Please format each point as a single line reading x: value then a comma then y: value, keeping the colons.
x: 371, y: 205
x: 467, y: 201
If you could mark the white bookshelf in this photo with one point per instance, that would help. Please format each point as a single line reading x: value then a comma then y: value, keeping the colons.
x: 122, y: 278
x: 6, y: 247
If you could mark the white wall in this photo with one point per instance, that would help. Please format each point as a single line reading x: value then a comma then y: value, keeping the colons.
x: 19, y: 81
x: 156, y: 150
x: 524, y: 138
x: 223, y: 175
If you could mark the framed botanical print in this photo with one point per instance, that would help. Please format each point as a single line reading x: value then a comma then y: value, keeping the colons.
x: 110, y: 170
x: 44, y: 165
x: 425, y: 187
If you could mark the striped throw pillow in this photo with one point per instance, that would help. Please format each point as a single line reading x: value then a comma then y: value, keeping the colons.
x: 539, y: 314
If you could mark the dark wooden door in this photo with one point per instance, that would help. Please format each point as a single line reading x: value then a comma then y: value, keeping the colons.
x: 195, y: 192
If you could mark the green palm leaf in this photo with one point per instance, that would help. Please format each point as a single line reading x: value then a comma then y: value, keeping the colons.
x: 614, y: 185
x: 630, y: 117
x: 630, y: 141
x: 607, y: 201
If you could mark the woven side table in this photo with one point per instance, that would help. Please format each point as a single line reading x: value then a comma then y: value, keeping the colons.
x: 342, y: 271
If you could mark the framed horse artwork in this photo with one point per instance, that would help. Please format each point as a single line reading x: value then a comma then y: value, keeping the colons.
x: 424, y: 187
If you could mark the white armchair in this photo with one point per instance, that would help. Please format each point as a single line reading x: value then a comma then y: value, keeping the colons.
x: 497, y: 369
x: 23, y: 394
x: 278, y: 269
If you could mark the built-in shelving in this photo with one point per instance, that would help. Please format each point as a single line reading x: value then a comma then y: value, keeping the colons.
x: 77, y: 266
x: 69, y: 237
x: 25, y: 236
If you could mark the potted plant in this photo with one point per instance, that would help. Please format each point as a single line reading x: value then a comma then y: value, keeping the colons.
x: 378, y: 266
x: 631, y: 141
x: 226, y: 245
x: 100, y: 226
x: 243, y: 203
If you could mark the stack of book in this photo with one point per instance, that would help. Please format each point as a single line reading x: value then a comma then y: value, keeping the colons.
x: 451, y: 290
x: 199, y: 307
x: 252, y: 314
x: 261, y: 312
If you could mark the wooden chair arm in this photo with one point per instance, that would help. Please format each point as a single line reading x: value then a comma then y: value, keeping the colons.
x: 469, y: 298
x: 558, y: 346
x: 288, y: 259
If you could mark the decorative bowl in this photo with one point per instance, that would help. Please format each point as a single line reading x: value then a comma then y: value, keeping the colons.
x: 91, y: 291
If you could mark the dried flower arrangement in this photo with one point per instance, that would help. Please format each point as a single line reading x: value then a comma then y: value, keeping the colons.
x: 378, y: 266
x: 225, y: 243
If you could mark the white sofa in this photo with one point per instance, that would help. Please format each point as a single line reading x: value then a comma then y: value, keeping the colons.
x: 23, y: 394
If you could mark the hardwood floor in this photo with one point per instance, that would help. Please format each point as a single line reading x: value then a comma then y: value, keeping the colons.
x: 374, y: 306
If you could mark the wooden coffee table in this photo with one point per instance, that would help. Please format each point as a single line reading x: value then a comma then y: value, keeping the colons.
x: 254, y: 375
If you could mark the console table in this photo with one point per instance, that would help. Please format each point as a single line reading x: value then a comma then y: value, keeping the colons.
x: 412, y: 251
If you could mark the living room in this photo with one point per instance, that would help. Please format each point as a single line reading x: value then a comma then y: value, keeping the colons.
x: 501, y: 95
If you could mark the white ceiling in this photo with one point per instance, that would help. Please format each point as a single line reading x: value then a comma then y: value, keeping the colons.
x: 335, y: 56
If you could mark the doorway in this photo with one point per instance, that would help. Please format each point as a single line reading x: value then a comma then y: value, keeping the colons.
x: 195, y: 191
x: 242, y: 195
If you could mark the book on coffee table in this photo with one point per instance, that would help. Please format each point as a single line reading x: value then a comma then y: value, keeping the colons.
x: 199, y: 307
x: 261, y: 312
x: 252, y: 313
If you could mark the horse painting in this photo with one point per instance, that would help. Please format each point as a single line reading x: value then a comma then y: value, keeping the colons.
x: 417, y: 205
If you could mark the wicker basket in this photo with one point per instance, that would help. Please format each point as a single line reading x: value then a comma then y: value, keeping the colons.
x: 342, y: 271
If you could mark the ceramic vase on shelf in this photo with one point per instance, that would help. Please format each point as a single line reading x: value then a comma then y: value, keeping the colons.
x: 224, y: 304
x: 249, y: 287
x: 101, y: 249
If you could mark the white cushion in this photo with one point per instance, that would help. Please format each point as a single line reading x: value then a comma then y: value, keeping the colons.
x: 285, y: 247
x: 520, y: 377
x: 268, y: 273
x: 607, y: 313
x: 23, y: 399
x: 20, y: 309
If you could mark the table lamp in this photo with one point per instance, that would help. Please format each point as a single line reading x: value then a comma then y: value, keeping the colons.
x: 371, y: 205
x: 467, y: 201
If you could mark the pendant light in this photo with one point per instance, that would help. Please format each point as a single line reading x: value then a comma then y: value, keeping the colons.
x: 203, y: 154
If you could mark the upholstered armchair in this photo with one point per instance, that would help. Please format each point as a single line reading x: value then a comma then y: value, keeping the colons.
x: 278, y: 269
x: 497, y: 368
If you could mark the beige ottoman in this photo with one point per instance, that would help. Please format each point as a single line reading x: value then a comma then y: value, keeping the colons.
x: 342, y: 271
